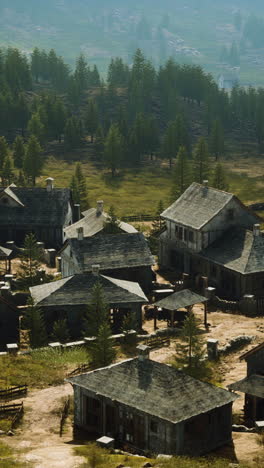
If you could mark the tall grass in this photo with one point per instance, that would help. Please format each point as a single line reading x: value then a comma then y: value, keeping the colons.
x: 41, y: 367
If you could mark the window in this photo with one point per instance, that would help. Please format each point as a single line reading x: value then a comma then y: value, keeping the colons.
x: 191, y: 236
x: 230, y: 214
x: 176, y: 232
x: 180, y: 233
x: 185, y: 235
x: 154, y: 426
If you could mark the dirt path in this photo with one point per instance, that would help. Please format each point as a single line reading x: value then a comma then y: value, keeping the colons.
x: 38, y: 437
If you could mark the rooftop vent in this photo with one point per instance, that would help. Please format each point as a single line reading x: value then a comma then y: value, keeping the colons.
x: 80, y: 233
x: 100, y: 207
x: 95, y: 269
x: 49, y: 184
x: 256, y: 229
x: 143, y: 352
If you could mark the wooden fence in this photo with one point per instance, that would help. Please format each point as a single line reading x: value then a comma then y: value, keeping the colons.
x: 158, y: 342
x: 10, y: 408
x: 13, y: 392
x: 140, y: 218
x: 80, y: 370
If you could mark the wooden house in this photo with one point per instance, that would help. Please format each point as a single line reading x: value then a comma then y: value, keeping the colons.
x: 68, y: 299
x: 94, y: 222
x: 152, y: 407
x: 43, y: 211
x: 123, y: 256
x: 253, y: 384
x: 210, y: 233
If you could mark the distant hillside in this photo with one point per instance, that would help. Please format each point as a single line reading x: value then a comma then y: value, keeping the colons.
x: 213, y: 34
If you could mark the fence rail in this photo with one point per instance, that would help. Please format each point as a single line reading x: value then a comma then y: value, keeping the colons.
x: 158, y: 342
x: 79, y: 370
x: 10, y: 408
x: 11, y: 392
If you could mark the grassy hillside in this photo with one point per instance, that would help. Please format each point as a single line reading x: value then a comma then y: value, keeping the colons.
x: 139, y: 191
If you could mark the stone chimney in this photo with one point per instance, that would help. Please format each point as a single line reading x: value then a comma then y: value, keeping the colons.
x: 100, y: 207
x: 76, y: 212
x: 49, y: 184
x: 256, y: 230
x: 143, y: 352
x: 80, y: 233
x: 95, y: 270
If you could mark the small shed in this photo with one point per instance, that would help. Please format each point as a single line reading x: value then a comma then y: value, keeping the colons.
x: 182, y: 299
x: 253, y: 384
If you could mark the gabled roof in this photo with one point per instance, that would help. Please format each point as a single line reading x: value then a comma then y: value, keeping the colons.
x: 239, y: 250
x: 5, y: 252
x: 252, y: 351
x: 252, y: 385
x: 154, y: 388
x: 10, y: 193
x: 177, y: 300
x: 112, y: 251
x: 93, y: 223
x: 35, y: 206
x: 197, y: 206
x: 77, y: 289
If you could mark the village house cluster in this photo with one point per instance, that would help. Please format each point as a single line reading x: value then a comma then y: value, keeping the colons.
x: 210, y: 240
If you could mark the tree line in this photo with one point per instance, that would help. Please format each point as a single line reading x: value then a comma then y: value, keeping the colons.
x: 137, y: 111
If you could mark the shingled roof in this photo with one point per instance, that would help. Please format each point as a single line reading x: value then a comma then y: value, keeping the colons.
x: 154, y: 388
x: 112, y: 251
x: 35, y: 206
x: 77, y: 289
x: 252, y: 385
x: 177, y: 300
x: 239, y: 250
x: 93, y: 223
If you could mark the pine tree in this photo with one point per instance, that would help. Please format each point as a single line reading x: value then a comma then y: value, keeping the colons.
x: 219, y: 179
x: 216, y: 140
x: 21, y: 180
x: 97, y: 311
x: 190, y: 351
x: 99, y: 142
x: 60, y: 331
x: 91, y: 118
x: 201, y: 166
x: 103, y: 352
x: 75, y: 190
x: 18, y: 152
x: 176, y: 135
x: 81, y: 186
x: 30, y: 262
x: 34, y: 322
x: 3, y: 150
x: 7, y: 173
x: 36, y: 127
x: 113, y: 149
x: 33, y: 161
x: 112, y: 224
x: 182, y: 176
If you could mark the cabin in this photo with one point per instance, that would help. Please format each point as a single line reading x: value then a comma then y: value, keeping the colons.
x: 253, y: 384
x: 148, y: 406
x: 68, y: 299
x: 122, y: 256
x: 210, y: 233
x: 94, y: 222
x: 43, y: 211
